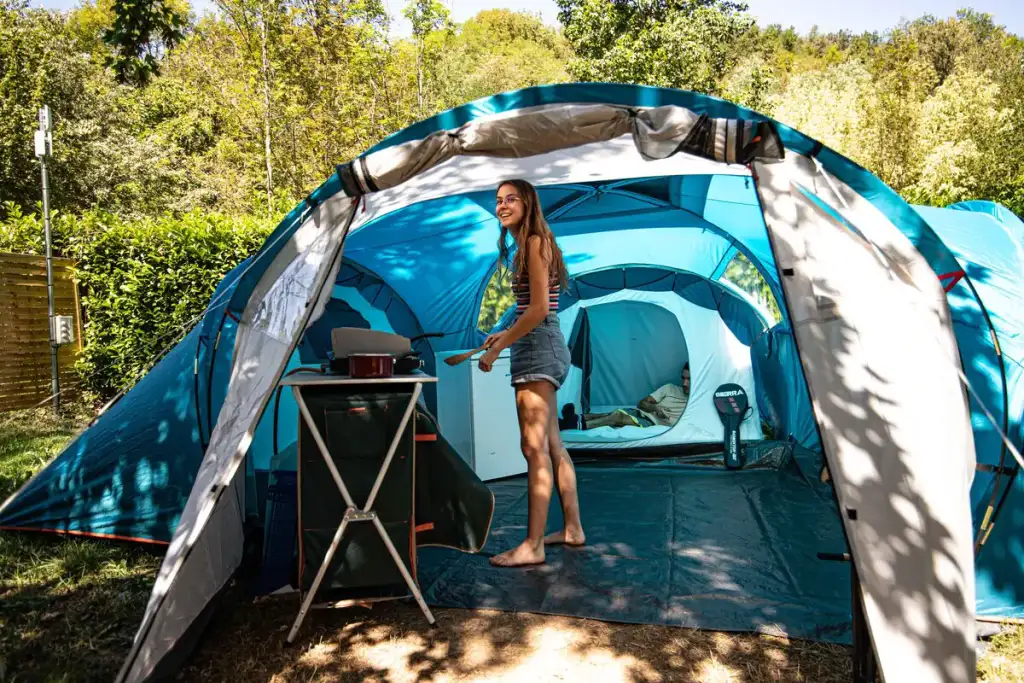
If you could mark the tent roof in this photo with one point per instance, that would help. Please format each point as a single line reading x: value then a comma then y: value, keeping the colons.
x: 566, y: 165
x: 640, y: 96
x: 439, y: 254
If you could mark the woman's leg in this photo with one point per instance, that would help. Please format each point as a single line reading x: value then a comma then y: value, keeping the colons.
x: 565, y: 481
x: 533, y: 403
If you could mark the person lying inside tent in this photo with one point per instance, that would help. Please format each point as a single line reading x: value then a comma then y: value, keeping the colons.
x: 663, y: 407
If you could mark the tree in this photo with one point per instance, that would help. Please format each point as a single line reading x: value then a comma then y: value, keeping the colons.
x: 497, y: 51
x: 751, y: 84
x: 426, y: 16
x: 141, y: 31
x: 259, y: 22
x: 335, y: 67
x: 100, y: 155
x: 677, y: 43
x: 962, y: 137
x: 901, y: 80
x: 828, y: 105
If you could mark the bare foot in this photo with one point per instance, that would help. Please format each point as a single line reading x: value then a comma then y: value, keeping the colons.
x: 522, y: 555
x: 569, y: 536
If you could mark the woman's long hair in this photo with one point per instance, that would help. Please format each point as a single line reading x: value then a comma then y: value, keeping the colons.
x: 533, y: 224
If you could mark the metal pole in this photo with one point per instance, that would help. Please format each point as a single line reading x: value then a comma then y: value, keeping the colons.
x: 865, y: 669
x: 43, y: 151
x: 865, y: 665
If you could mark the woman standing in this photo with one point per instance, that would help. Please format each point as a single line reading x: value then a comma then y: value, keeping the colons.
x: 540, y: 363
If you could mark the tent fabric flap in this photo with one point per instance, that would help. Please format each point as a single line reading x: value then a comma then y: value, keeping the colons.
x: 885, y: 389
x: 207, y: 545
x: 657, y: 133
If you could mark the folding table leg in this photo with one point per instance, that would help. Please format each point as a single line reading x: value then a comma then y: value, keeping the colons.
x: 319, y: 577
x: 366, y: 514
x: 405, y: 572
x: 324, y: 453
x: 402, y: 426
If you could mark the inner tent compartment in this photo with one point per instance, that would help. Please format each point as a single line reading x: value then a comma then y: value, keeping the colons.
x: 630, y: 331
x: 673, y: 537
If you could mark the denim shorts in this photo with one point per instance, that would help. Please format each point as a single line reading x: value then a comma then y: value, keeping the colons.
x: 541, y: 354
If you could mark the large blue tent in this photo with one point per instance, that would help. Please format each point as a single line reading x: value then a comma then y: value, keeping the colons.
x: 653, y: 234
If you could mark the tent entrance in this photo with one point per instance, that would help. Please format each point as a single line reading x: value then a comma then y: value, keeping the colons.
x: 708, y: 548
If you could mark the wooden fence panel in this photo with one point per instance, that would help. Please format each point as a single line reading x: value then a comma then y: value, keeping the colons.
x: 24, y: 331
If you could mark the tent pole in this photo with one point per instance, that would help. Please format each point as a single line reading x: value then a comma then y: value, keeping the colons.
x: 865, y: 666
x: 985, y: 528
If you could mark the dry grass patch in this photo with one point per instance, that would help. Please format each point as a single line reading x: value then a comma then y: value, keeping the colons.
x: 393, y: 643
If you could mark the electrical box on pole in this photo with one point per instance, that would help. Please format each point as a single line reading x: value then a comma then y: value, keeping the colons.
x: 63, y: 330
x: 44, y: 138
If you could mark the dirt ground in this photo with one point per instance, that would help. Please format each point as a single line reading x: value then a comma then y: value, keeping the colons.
x: 392, y: 642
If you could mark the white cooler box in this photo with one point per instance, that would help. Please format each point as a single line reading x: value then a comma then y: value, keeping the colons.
x: 476, y: 412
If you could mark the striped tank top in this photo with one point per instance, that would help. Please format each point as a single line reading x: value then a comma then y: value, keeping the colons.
x: 521, y: 290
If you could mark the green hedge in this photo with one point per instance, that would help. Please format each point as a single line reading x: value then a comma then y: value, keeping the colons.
x: 142, y: 281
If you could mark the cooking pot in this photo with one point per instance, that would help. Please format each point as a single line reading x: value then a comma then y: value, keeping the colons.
x: 365, y: 365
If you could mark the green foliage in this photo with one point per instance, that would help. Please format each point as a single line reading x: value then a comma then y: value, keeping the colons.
x: 426, y: 16
x: 497, y: 299
x: 960, y: 136
x: 102, y: 151
x: 139, y: 32
x: 498, y: 51
x: 143, y: 282
x: 751, y: 83
x: 23, y: 233
x: 930, y: 109
x: 747, y: 278
x: 258, y: 103
x: 678, y: 43
x: 827, y: 106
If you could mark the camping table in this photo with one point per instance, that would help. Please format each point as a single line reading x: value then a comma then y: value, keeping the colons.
x: 353, y: 512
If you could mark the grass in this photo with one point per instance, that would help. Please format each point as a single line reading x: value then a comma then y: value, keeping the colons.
x: 69, y: 609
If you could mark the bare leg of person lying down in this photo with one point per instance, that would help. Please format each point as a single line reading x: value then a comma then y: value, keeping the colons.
x: 614, y: 419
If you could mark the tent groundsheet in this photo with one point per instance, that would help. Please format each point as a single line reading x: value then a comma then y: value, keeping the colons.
x: 709, y: 549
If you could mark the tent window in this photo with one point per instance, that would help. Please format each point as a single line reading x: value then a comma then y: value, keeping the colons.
x: 748, y: 279
x: 497, y: 299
